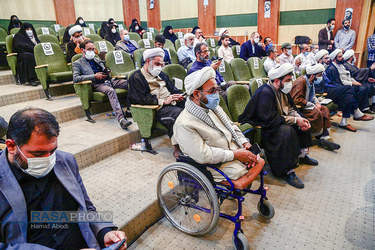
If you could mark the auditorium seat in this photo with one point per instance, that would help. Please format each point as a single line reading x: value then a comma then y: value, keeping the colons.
x: 94, y: 37
x: 14, y: 31
x: 256, y: 68
x: 236, y: 49
x: 146, y: 43
x: 119, y: 67
x: 61, y: 34
x: 212, y: 42
x: 175, y: 71
x: 39, y: 31
x: 134, y: 36
x: 153, y: 30
x: 3, y: 35
x: 138, y: 57
x: 240, y: 71
x: 103, y: 46
x: 48, y: 38
x: 169, y: 44
x: 87, y: 31
x: 178, y: 43
x: 55, y: 27
x: 255, y: 83
x: 173, y: 56
x: 149, y: 36
x: 11, y: 57
x: 226, y: 71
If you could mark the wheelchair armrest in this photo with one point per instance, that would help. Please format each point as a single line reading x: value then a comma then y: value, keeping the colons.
x: 41, y: 66
x: 12, y: 54
x: 144, y: 106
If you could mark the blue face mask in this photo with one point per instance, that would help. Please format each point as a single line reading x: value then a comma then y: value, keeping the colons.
x: 318, y: 80
x: 306, y: 53
x: 270, y: 45
x: 213, y: 100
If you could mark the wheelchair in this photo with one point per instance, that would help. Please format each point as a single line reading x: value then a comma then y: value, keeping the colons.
x: 191, y: 200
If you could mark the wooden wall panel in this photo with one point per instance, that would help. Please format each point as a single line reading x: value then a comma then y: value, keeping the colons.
x: 131, y: 11
x: 65, y: 12
x: 269, y: 26
x: 207, y: 17
x: 153, y: 15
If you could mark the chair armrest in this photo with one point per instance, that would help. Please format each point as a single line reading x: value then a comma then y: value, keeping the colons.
x: 12, y: 54
x: 242, y: 82
x: 119, y: 77
x: 69, y: 64
x: 237, y: 124
x: 41, y: 66
x: 144, y: 106
x: 84, y: 82
x: 323, y: 94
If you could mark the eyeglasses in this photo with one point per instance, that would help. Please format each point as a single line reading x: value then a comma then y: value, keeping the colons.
x: 211, y: 91
x: 205, y: 52
x: 159, y: 64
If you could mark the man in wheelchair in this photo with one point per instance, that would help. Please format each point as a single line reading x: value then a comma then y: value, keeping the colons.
x: 207, y: 135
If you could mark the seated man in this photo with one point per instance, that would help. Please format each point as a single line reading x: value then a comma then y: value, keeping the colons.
x: 304, y: 48
x: 76, y: 38
x: 38, y: 177
x: 267, y: 44
x: 342, y: 95
x: 202, y: 54
x: 272, y: 60
x: 225, y: 50
x: 251, y: 47
x: 151, y: 86
x: 125, y: 44
x: 186, y: 53
x: 362, y: 75
x: 285, y: 134
x: 303, y: 93
x: 286, y: 56
x: 337, y: 74
x: 311, y: 56
x: 159, y: 43
x: 297, y: 65
x: 206, y: 134
x: 232, y: 42
x: 88, y: 67
x: 198, y: 37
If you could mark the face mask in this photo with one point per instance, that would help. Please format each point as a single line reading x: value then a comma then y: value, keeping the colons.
x: 29, y: 32
x: 315, y: 51
x: 213, y: 100
x: 256, y: 40
x: 270, y: 45
x: 126, y: 38
x: 305, y: 53
x: 136, y: 27
x: 332, y: 27
x: 154, y: 70
x: 287, y: 87
x: 113, y: 31
x: 81, y: 21
x: 289, y: 52
x: 318, y: 80
x: 89, y: 55
x: 39, y: 166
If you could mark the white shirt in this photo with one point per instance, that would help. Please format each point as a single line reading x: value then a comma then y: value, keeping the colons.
x: 270, y: 64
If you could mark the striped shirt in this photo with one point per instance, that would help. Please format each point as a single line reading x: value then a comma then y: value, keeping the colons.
x: 371, y: 48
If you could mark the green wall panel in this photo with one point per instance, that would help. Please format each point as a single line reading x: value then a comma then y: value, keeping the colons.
x: 301, y: 17
x: 180, y: 23
x: 240, y: 20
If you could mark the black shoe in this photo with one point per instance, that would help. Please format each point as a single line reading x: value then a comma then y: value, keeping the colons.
x: 328, y: 145
x: 369, y: 111
x: 128, y: 114
x: 293, y: 180
x: 33, y: 83
x: 308, y: 161
x: 124, y: 123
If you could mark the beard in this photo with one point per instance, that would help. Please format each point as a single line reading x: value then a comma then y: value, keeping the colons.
x: 203, y: 58
x: 19, y: 161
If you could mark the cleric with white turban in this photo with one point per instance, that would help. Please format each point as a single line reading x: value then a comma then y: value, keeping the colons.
x: 151, y: 53
x: 74, y: 29
x: 334, y: 54
x: 196, y: 79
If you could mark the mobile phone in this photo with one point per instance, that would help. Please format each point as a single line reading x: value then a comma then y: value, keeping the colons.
x: 220, y: 58
x: 184, y: 94
x: 117, y: 245
x: 255, y: 149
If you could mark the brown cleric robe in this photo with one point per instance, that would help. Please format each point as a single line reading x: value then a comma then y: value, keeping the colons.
x: 302, y: 96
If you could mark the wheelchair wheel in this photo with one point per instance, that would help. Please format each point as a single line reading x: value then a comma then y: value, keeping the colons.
x: 242, y: 242
x: 266, y: 210
x: 188, y: 199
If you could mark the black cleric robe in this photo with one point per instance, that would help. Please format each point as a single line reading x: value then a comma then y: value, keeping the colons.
x: 280, y: 137
x: 361, y: 75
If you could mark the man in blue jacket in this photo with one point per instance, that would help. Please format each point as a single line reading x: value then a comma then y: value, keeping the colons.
x: 251, y: 48
x: 35, y: 176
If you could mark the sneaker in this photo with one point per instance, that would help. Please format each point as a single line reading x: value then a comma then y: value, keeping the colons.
x: 124, y: 123
x: 293, y: 180
x: 308, y: 161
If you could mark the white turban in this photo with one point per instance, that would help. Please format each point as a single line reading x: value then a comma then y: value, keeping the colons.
x: 320, y: 54
x: 280, y: 71
x: 150, y: 53
x: 222, y: 31
x: 188, y: 35
x: 74, y: 29
x: 196, y: 79
x: 298, y: 57
x: 349, y: 53
x: 314, y: 69
x: 334, y: 54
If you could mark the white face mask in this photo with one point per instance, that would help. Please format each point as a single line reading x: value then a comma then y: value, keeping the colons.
x: 353, y: 62
x: 319, y: 78
x: 136, y: 27
x: 113, y: 31
x: 81, y: 21
x: 287, y: 87
x: 256, y: 40
x: 126, y: 38
x: 289, y: 52
x: 39, y: 167
x: 154, y: 70
x: 29, y: 32
x: 89, y: 55
x: 332, y: 27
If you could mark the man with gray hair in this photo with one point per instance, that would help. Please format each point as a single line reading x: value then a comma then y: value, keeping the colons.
x: 186, y: 52
x: 272, y: 60
x: 251, y: 47
x: 150, y: 86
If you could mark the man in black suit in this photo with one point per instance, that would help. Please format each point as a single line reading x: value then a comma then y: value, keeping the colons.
x: 326, y: 36
x: 251, y: 48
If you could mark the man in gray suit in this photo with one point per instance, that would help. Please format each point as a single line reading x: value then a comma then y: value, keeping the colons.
x: 125, y: 44
x: 88, y: 67
x: 35, y: 179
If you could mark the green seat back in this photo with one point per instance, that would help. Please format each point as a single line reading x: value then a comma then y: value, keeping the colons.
x: 238, y: 96
x: 178, y: 43
x: 116, y: 65
x: 173, y: 56
x: 236, y: 49
x: 103, y: 46
x: 303, y: 72
x: 264, y: 58
x: 78, y: 56
x: 61, y: 34
x: 9, y: 43
x: 180, y: 35
x: 255, y: 83
x: 240, y: 70
x: 256, y: 67
x: 149, y: 36
x: 212, y: 52
x: 224, y: 106
x: 3, y: 36
x: 5, y: 29
x: 87, y: 31
x: 98, y: 30
x: 161, y: 31
x: 54, y: 28
x: 226, y: 71
x: 216, y: 50
x: 95, y: 27
x: 212, y: 42
x: 134, y: 36
x: 12, y: 60
x: 152, y: 30
x: 14, y: 31
x: 138, y: 57
x: 94, y: 37
x: 48, y: 38
x: 189, y: 66
x: 168, y: 44
x: 175, y: 71
x: 145, y: 43
x: 39, y: 31
x: 56, y: 61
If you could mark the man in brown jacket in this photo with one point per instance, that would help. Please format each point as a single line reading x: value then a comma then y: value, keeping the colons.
x: 326, y: 39
x: 303, y: 93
